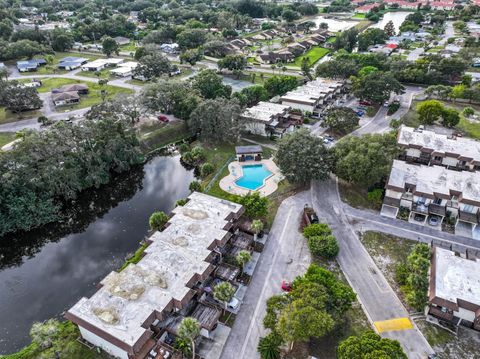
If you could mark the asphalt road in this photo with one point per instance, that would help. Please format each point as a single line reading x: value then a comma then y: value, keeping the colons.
x: 285, y: 256
x: 378, y: 299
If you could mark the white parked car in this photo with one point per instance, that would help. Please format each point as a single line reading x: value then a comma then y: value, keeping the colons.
x: 234, y: 303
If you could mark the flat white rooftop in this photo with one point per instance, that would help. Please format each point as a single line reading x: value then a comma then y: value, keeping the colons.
x: 264, y: 111
x: 435, y: 179
x: 456, y: 277
x: 440, y: 143
x: 176, y: 255
x: 312, y: 91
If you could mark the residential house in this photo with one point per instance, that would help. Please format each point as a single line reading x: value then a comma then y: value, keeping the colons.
x: 430, y: 148
x: 81, y: 89
x: 365, y: 8
x: 270, y: 119
x: 30, y: 65
x: 100, y: 64
x: 434, y: 191
x: 454, y: 289
x: 280, y: 56
x: 120, y: 40
x: 136, y: 312
x: 248, y: 153
x: 314, y: 96
x: 125, y: 69
x: 170, y: 48
x: 65, y: 98
x: 71, y: 63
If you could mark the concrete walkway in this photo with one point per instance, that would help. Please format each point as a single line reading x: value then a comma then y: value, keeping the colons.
x: 285, y: 256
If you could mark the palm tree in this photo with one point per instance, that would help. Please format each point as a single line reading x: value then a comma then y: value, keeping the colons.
x: 243, y: 257
x: 256, y: 227
x: 189, y: 329
x: 273, y: 68
x: 268, y: 347
x: 224, y: 292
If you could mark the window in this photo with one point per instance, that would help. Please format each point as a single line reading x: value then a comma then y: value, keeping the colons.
x: 438, y: 158
x: 462, y: 163
x: 437, y: 201
x: 421, y: 200
x: 468, y: 208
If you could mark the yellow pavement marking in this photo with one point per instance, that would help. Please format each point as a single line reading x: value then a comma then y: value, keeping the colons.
x: 393, y: 324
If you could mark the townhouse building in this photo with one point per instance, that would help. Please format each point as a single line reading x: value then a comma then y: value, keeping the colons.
x: 136, y: 312
x: 454, y: 289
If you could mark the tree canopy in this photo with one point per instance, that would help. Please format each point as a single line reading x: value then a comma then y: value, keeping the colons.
x: 210, y: 85
x: 341, y: 120
x: 302, y: 157
x: 216, y: 120
x: 370, y: 345
x: 376, y: 86
x: 365, y: 160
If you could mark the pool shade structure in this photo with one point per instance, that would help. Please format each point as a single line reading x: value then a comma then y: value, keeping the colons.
x: 249, y: 153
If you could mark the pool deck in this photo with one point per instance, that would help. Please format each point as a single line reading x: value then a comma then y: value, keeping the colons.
x: 228, y: 184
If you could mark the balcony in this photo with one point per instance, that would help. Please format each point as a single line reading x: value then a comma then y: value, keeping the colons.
x: 395, y: 202
x: 420, y: 208
x: 437, y: 209
x: 468, y: 217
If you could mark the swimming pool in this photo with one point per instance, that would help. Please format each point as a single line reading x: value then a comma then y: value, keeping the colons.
x: 253, y: 177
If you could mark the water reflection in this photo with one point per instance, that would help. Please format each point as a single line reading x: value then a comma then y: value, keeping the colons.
x: 47, y: 271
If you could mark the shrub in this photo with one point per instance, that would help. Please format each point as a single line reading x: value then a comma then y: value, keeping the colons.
x: 206, y: 169
x: 317, y: 229
x: 468, y: 111
x: 375, y: 196
x: 195, y: 186
x: 157, y: 220
x: 255, y: 205
x: 393, y: 107
x: 323, y: 246
x: 401, y: 273
x: 371, y: 111
x: 181, y: 202
x: 182, y: 148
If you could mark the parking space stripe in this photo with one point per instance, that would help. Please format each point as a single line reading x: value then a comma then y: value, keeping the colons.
x: 393, y: 324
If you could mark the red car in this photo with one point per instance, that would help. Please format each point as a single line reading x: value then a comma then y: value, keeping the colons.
x: 163, y: 118
x: 365, y: 103
x: 286, y: 286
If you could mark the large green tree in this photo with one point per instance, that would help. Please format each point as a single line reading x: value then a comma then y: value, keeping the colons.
x: 210, y: 85
x: 233, y: 63
x: 341, y: 120
x: 370, y: 345
x: 171, y: 97
x: 250, y: 96
x: 216, y: 120
x: 365, y: 160
x: 429, y: 111
x: 279, y: 85
x: 376, y: 86
x: 153, y: 65
x: 302, y: 157
x: 109, y: 46
x: 17, y: 98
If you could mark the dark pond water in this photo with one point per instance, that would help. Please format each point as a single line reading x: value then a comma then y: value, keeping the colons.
x: 44, y: 272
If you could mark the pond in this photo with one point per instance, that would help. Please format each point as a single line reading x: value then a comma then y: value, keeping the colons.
x: 46, y: 271
x: 335, y: 25
x: 397, y: 18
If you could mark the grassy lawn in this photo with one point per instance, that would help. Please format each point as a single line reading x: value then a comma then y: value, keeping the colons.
x: 356, y: 196
x: 8, y: 116
x: 358, y: 16
x: 49, y: 84
x: 472, y: 129
x: 313, y: 55
x: 362, y: 25
x: 331, y: 40
x: 129, y: 47
x: 6, y: 137
x: 159, y: 135
x: 104, y: 74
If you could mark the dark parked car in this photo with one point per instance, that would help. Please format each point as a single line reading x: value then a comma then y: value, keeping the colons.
x: 163, y: 118
x: 419, y: 217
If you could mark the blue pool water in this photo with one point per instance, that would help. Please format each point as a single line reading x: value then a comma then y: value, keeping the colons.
x: 253, y: 177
